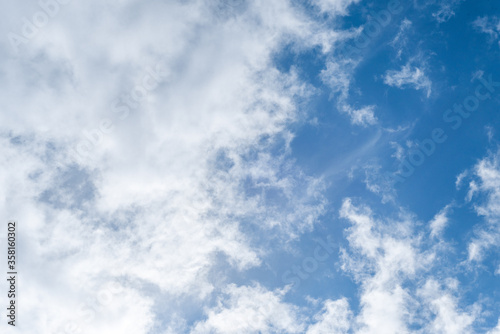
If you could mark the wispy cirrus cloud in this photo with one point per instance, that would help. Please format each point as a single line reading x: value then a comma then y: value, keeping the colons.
x: 338, y: 75
x: 446, y: 10
x: 488, y: 25
x: 409, y: 76
x: 486, y: 184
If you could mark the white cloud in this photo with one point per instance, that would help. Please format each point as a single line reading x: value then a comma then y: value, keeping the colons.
x: 391, y: 261
x: 377, y: 183
x: 334, y: 318
x: 363, y: 116
x: 473, y: 188
x: 251, y: 310
x: 460, y: 178
x: 164, y: 197
x: 338, y: 75
x: 487, y: 173
x: 254, y: 309
x: 340, y: 68
x: 137, y: 229
x: 448, y: 318
x: 380, y: 260
x: 409, y: 76
x: 446, y: 10
x: 496, y: 330
x: 401, y: 39
x: 439, y: 222
x: 334, y: 7
x: 488, y: 25
x: 490, y: 132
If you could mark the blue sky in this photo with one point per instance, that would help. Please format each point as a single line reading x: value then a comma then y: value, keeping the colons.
x: 233, y: 166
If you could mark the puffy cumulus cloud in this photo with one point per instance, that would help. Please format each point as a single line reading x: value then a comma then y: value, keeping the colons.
x: 251, y: 310
x: 334, y: 318
x: 448, y: 318
x: 409, y: 76
x: 393, y: 264
x: 254, y: 309
x: 381, y: 261
x: 400, y: 289
x: 486, y: 183
x: 403, y: 286
x: 142, y: 140
x: 52, y: 238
